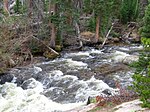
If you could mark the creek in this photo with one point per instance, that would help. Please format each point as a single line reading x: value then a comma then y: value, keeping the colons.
x: 67, y: 82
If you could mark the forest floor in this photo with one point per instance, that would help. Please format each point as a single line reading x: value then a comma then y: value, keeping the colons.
x: 23, y: 48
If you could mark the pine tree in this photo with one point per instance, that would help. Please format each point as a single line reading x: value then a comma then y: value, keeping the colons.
x: 129, y: 10
x: 145, y: 30
x: 141, y: 83
x: 101, y: 10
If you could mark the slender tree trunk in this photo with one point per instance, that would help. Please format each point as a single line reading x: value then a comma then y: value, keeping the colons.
x: 143, y: 4
x: 97, y: 28
x: 78, y: 34
x: 79, y: 4
x: 69, y: 19
x: 53, y: 36
x: 52, y: 11
x: 30, y: 8
x: 6, y: 7
x: 69, y: 15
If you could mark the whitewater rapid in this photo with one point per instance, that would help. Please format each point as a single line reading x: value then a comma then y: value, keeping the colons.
x: 57, y: 85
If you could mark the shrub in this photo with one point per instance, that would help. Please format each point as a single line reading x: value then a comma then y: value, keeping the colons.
x: 141, y: 83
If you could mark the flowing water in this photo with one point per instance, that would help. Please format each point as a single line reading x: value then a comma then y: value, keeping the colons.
x: 66, y: 82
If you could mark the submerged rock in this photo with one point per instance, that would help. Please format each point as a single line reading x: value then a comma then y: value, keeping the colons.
x: 130, y: 59
x: 50, y: 55
x: 122, y: 57
x: 4, y: 77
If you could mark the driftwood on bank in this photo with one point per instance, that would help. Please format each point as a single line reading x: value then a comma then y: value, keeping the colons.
x: 82, y: 39
x: 47, y: 47
x: 78, y: 33
x: 107, y: 35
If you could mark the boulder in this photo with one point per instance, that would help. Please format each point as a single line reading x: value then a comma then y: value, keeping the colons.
x: 50, y: 55
x: 122, y: 57
x: 89, y: 36
x: 132, y: 106
x: 4, y: 77
x: 130, y: 59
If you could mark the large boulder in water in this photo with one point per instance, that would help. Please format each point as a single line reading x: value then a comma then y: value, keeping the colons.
x: 4, y: 77
x: 122, y: 57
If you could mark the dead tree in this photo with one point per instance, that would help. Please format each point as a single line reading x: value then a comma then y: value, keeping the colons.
x: 6, y: 6
x: 52, y: 11
x: 97, y: 29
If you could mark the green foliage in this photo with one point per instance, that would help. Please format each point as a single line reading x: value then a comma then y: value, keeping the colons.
x: 97, y: 6
x: 115, y: 34
x: 145, y: 30
x: 129, y: 10
x: 64, y: 9
x: 116, y: 8
x: 145, y: 41
x: 46, y: 5
x: 91, y: 24
x: 101, y: 8
x: 18, y: 8
x: 141, y: 77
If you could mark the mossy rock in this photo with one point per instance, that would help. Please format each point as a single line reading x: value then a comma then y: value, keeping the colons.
x: 2, y: 67
x: 93, y: 100
x: 58, y: 48
x: 35, y: 46
x: 50, y: 55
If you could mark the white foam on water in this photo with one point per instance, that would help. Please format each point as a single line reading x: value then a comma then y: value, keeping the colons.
x: 138, y: 47
x: 34, y: 85
x: 123, y: 57
x: 68, y: 63
x: 37, y: 69
x: 119, y: 56
x: 16, y: 99
x: 14, y: 79
x: 71, y: 76
x: 55, y: 73
x: 124, y: 49
x: 75, y: 64
x: 94, y: 87
x: 96, y: 51
x: 84, y: 53
x: 78, y: 54
x: 58, y: 75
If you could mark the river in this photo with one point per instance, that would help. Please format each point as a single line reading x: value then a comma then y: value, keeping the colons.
x: 67, y: 82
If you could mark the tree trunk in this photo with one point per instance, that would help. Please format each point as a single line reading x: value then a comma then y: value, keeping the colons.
x: 6, y: 7
x: 39, y: 6
x: 52, y: 11
x: 107, y: 35
x: 53, y: 36
x: 30, y: 8
x: 97, y: 28
x: 78, y: 34
x: 69, y: 13
x: 143, y: 4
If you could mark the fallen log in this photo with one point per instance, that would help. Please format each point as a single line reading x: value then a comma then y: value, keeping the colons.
x: 47, y: 47
x: 78, y: 33
x: 107, y: 35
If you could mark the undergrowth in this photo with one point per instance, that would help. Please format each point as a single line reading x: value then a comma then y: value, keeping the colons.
x: 124, y: 95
